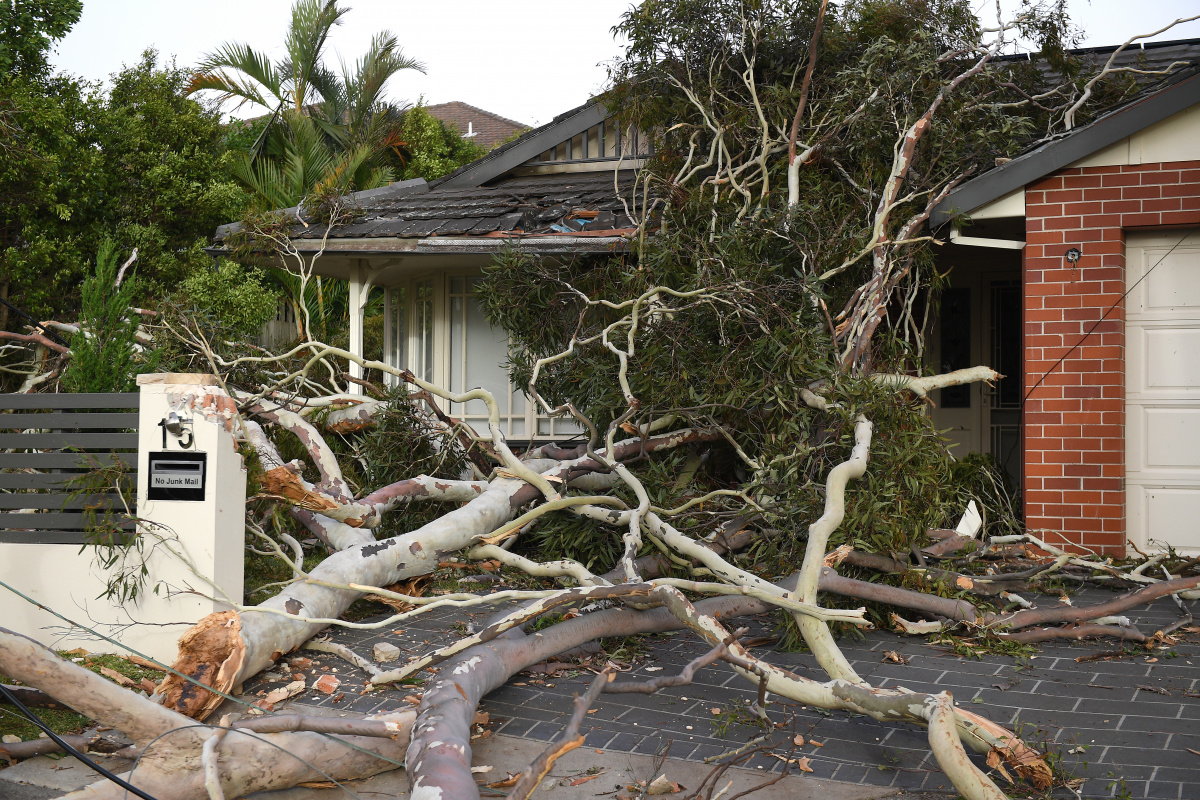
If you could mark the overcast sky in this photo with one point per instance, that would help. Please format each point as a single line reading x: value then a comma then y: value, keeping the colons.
x: 528, y: 60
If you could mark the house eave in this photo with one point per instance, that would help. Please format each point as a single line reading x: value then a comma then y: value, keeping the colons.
x: 551, y: 244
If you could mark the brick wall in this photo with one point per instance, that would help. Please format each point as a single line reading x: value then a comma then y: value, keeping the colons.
x: 1075, y: 419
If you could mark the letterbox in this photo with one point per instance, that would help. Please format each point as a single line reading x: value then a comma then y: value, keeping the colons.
x: 176, y: 476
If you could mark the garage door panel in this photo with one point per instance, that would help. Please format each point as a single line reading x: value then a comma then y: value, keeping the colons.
x: 1172, y: 358
x: 1172, y: 437
x: 1173, y: 515
x: 1162, y: 382
x: 1172, y: 284
x: 1162, y: 277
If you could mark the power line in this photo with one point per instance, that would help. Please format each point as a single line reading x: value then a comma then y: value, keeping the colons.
x: 1090, y: 331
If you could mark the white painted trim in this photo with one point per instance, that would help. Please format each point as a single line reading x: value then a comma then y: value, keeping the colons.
x: 977, y: 241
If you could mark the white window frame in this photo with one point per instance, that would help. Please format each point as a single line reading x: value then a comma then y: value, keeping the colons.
x: 534, y: 426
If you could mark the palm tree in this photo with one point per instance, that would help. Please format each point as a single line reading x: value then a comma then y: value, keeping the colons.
x: 327, y: 132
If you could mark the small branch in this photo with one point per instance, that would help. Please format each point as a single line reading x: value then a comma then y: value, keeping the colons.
x: 121, y: 272
x: 684, y: 678
x: 345, y: 653
x: 37, y: 747
x: 394, y: 726
x: 570, y: 739
x: 208, y: 757
x: 1075, y: 632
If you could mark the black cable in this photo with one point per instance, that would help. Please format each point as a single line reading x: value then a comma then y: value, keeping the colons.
x: 49, y: 334
x: 12, y: 698
x: 1091, y: 330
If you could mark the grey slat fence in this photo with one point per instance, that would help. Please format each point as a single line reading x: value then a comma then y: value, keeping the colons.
x: 46, y: 440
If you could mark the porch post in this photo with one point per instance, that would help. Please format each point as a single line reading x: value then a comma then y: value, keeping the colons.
x: 356, y: 301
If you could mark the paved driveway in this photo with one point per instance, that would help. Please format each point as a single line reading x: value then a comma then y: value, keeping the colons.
x: 1129, y: 725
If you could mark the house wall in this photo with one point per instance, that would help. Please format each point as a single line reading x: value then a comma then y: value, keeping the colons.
x: 1074, y: 413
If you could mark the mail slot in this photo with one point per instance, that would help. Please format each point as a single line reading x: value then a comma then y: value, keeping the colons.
x: 177, y: 476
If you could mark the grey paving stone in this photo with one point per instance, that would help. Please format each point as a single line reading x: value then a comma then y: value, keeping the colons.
x: 624, y: 741
x: 1014, y: 699
x: 517, y: 727
x: 1138, y: 756
x: 1159, y: 789
x: 911, y: 780
x: 598, y: 738
x: 874, y: 776
x: 1172, y: 725
x: 545, y: 731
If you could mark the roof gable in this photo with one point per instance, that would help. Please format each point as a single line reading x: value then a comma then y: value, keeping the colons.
x: 524, y: 148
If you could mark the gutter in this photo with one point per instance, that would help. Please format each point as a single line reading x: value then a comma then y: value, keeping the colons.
x: 979, y: 241
x: 434, y: 245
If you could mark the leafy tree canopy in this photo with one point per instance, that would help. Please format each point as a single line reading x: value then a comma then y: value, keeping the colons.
x: 779, y: 290
x: 428, y: 148
x: 141, y: 163
x: 29, y: 28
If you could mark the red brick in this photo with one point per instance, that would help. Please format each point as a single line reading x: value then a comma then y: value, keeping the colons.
x: 1102, y: 221
x: 1122, y: 206
x: 1178, y: 189
x: 1084, y: 181
x: 1087, y: 206
x: 1142, y: 220
x: 1110, y: 193
x: 1063, y: 196
x: 1141, y: 192
x: 1121, y: 179
x: 1163, y: 204
x: 1180, y: 218
x: 1064, y: 223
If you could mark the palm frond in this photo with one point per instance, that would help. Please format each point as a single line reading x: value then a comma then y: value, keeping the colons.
x: 366, y: 83
x: 238, y: 70
x: 305, y: 44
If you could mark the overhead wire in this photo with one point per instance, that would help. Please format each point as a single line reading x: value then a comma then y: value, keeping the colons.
x: 128, y: 787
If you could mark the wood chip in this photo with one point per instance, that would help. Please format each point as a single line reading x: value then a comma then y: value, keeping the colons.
x: 584, y: 779
x: 116, y: 676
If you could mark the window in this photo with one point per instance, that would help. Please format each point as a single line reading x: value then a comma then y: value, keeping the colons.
x: 435, y: 327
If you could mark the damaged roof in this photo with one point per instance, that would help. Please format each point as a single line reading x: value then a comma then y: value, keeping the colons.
x: 1155, y: 102
x: 576, y: 204
x: 482, y: 204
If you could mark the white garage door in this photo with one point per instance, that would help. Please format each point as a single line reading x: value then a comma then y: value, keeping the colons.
x: 1162, y: 384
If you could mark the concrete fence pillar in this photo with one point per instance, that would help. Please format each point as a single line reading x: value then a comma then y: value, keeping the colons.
x: 191, y: 498
x: 192, y: 492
